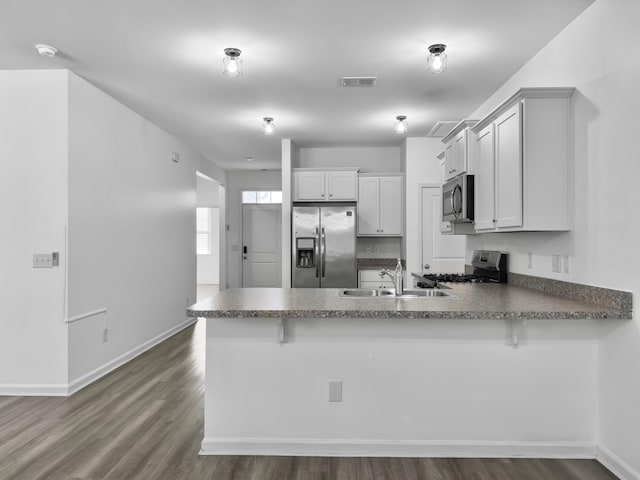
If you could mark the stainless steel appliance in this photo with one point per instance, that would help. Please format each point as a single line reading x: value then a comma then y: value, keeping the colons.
x: 457, y: 200
x: 324, y: 246
x: 488, y: 267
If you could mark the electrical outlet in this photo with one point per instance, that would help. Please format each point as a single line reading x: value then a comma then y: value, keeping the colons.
x: 530, y: 260
x: 565, y: 263
x: 369, y: 249
x: 42, y: 260
x: 335, y: 391
x: 555, y: 263
x: 105, y: 335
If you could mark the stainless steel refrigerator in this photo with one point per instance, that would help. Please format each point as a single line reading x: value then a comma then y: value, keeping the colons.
x: 324, y: 246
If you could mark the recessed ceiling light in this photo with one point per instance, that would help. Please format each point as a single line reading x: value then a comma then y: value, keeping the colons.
x: 46, y: 50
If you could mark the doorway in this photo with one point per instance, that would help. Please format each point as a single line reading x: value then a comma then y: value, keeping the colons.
x: 209, y: 217
x: 441, y: 253
x: 261, y: 245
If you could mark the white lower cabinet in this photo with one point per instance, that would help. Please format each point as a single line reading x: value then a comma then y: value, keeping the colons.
x: 371, y: 279
x: 521, y: 163
x: 380, y: 209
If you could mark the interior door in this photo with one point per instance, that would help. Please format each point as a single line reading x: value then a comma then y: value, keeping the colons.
x: 261, y: 245
x: 440, y: 253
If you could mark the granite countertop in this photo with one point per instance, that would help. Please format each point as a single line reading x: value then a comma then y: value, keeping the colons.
x: 481, y: 301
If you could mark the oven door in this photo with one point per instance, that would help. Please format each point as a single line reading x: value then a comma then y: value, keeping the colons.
x: 457, y: 200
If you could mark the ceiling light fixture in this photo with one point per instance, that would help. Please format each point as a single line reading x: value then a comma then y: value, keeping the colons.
x: 402, y: 126
x: 249, y: 159
x: 46, y: 50
x: 268, y: 128
x: 232, y: 62
x: 437, y: 61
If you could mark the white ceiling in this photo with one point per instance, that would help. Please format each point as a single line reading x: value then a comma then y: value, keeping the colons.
x: 163, y: 58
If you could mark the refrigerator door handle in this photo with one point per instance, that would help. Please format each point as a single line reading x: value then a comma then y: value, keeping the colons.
x: 317, y: 254
x: 323, y: 250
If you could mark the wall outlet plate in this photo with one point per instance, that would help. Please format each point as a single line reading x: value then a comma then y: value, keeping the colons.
x: 555, y: 263
x: 565, y: 263
x: 42, y: 260
x: 335, y: 391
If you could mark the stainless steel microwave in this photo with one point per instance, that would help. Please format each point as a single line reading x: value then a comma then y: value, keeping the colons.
x: 457, y: 200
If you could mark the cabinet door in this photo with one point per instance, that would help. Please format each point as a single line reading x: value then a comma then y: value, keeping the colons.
x: 368, y: 206
x: 508, y: 165
x: 342, y: 185
x: 459, y: 154
x: 391, y: 205
x: 484, y: 179
x: 309, y: 186
x: 449, y: 161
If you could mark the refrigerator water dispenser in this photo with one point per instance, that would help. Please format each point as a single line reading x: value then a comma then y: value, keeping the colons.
x: 305, y: 248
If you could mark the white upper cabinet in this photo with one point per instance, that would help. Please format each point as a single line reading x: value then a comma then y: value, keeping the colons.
x: 520, y: 160
x: 456, y: 150
x: 313, y: 185
x: 380, y: 209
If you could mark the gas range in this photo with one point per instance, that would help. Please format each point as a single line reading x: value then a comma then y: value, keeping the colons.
x: 488, y: 267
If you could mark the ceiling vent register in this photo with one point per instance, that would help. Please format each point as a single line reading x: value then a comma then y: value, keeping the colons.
x: 358, y: 81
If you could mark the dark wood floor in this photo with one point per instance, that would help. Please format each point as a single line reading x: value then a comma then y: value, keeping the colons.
x: 144, y: 421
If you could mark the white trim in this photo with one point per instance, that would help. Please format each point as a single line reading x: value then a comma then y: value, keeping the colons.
x: 101, y: 371
x: 386, y: 448
x: 614, y: 463
x: 86, y: 315
x: 62, y: 390
x: 34, y: 390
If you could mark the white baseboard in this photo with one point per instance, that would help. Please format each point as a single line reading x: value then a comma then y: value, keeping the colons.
x: 383, y: 448
x: 614, y: 463
x: 62, y: 390
x: 34, y: 390
x: 101, y: 371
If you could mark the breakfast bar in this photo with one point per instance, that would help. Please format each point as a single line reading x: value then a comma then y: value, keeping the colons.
x: 318, y: 372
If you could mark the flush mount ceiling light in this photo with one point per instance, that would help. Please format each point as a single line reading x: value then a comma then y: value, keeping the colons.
x: 437, y: 62
x: 232, y: 62
x: 268, y: 128
x: 46, y: 50
x: 401, y: 126
x: 249, y: 159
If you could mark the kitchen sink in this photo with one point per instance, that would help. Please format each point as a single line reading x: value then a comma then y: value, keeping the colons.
x: 390, y: 293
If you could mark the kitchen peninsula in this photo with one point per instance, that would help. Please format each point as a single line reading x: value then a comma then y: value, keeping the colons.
x: 493, y: 369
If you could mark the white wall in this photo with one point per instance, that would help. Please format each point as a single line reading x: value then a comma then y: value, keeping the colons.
x: 597, y: 54
x: 369, y: 159
x: 237, y: 181
x: 131, y: 230
x: 33, y: 208
x: 421, y: 168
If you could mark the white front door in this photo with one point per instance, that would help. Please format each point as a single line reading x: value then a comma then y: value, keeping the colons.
x: 440, y: 253
x: 261, y: 245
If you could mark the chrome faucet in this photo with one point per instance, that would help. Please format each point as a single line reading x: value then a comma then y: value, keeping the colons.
x: 396, y: 277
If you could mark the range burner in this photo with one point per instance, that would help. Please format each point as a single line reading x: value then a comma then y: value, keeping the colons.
x: 488, y: 267
x: 459, y: 278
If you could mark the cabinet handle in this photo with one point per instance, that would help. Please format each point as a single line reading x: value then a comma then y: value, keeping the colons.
x: 495, y: 221
x: 322, y: 194
x: 331, y: 194
x: 381, y: 230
